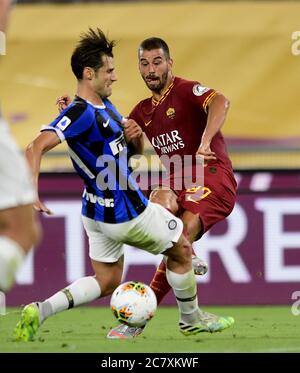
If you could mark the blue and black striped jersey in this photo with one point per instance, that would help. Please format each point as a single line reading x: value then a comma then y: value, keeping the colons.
x: 98, y: 152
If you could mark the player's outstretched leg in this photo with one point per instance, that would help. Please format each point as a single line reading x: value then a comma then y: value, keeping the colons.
x: 192, y: 320
x: 83, y: 290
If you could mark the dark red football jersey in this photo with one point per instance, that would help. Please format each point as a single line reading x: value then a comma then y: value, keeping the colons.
x: 175, y: 123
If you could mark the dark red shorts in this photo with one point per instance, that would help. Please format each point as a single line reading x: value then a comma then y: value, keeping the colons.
x: 212, y: 197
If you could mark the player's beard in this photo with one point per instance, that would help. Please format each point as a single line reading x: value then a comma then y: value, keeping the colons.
x: 159, y: 84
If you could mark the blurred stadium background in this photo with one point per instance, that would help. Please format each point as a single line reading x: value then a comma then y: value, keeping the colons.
x: 241, y: 48
x: 244, y: 50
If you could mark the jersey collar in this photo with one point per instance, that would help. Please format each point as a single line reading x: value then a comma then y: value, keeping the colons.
x: 165, y: 94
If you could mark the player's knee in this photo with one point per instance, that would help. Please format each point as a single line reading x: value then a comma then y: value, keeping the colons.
x: 165, y: 198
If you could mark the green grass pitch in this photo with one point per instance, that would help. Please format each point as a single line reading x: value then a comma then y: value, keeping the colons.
x: 256, y: 329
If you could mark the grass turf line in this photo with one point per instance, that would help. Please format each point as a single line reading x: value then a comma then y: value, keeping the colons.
x: 256, y: 329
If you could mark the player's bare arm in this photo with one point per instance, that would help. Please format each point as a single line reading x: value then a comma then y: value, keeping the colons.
x: 217, y: 111
x: 34, y: 152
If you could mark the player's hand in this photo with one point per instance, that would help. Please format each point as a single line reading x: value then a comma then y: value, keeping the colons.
x: 206, y: 153
x: 63, y: 102
x: 132, y: 130
x: 39, y: 206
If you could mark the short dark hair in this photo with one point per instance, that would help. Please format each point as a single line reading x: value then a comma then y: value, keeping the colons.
x: 89, y: 51
x: 155, y: 43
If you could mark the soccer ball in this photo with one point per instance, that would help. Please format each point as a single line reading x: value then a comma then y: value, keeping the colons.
x: 133, y: 303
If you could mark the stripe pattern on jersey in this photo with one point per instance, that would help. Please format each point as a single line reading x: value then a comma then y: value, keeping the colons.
x: 95, y: 134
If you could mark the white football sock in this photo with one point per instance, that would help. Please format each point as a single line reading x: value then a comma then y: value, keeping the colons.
x: 11, y: 258
x: 83, y: 290
x: 185, y: 290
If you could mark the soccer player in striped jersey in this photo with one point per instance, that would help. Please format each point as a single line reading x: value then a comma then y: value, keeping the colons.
x: 114, y: 210
x: 183, y: 118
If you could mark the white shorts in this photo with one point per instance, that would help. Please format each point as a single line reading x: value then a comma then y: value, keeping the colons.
x: 155, y: 230
x: 15, y: 182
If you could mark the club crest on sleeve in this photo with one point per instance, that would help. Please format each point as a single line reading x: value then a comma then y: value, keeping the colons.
x: 199, y: 90
x: 63, y: 123
x: 172, y: 224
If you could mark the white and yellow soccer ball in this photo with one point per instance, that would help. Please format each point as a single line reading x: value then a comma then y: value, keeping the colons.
x: 133, y: 303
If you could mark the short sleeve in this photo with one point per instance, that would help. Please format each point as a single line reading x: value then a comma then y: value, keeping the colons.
x: 73, y: 121
x: 199, y: 94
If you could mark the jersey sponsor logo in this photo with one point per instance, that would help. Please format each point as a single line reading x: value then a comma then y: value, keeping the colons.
x: 199, y: 90
x: 117, y: 145
x: 168, y: 142
x: 106, y: 202
x: 105, y: 124
x: 170, y: 113
x: 63, y: 123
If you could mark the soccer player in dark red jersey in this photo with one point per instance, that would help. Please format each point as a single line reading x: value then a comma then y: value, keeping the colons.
x: 183, y: 118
